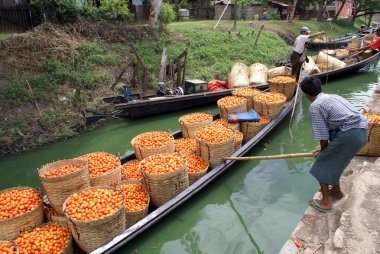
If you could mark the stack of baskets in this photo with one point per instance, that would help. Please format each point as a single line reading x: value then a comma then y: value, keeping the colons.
x: 269, y: 104
x: 214, y: 143
x: 231, y: 104
x: 284, y: 84
x: 164, y: 176
x: 190, y: 123
x: 248, y: 94
x: 372, y: 148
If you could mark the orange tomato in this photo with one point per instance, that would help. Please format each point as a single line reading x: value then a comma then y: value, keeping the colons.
x: 101, y: 163
x: 214, y: 134
x: 185, y: 145
x: 153, y: 139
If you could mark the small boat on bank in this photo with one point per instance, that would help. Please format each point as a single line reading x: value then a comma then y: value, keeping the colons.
x: 333, y: 44
x: 160, y: 212
x: 164, y: 104
x: 357, y: 62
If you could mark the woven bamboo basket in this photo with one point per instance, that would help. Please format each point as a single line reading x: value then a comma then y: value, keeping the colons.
x: 190, y: 129
x: 142, y: 153
x: 214, y: 153
x: 12, y: 227
x: 224, y: 111
x: 163, y: 187
x: 237, y: 143
x: 249, y: 98
x: 285, y: 88
x: 59, y: 188
x: 109, y: 178
x: 372, y: 148
x: 16, y: 248
x: 52, y: 215
x: 131, y: 217
x: 90, y: 235
x: 193, y: 177
x: 269, y: 109
x: 250, y: 129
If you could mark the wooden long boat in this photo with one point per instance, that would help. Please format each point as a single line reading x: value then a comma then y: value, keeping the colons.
x: 333, y: 44
x: 350, y: 69
x: 164, y: 104
x: 159, y: 213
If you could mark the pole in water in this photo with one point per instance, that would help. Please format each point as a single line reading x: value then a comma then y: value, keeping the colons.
x: 272, y: 157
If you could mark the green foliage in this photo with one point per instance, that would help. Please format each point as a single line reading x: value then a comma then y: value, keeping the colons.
x: 115, y: 9
x: 79, y: 71
x: 245, y: 3
x: 90, y: 11
x: 183, y: 4
x: 274, y: 15
x: 167, y: 14
x: 56, y: 11
x: 14, y: 94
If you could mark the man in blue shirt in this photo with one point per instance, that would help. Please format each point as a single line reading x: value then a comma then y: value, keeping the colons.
x: 341, y: 131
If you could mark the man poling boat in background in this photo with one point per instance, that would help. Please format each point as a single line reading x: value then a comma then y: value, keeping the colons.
x: 298, y: 56
x: 341, y: 131
x: 374, y: 45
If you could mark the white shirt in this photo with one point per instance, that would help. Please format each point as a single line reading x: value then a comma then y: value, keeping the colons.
x: 299, y: 44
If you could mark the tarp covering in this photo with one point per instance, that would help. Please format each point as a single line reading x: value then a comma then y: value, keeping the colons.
x: 250, y: 116
x: 216, y: 85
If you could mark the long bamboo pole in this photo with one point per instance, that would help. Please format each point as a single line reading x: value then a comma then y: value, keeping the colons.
x: 272, y: 157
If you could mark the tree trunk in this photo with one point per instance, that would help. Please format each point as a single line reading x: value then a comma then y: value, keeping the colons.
x: 235, y: 16
x: 154, y: 22
x: 370, y: 19
x: 320, y: 10
x: 340, y: 10
x: 295, y: 2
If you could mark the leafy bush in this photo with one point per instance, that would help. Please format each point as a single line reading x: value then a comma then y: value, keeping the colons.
x: 115, y: 9
x: 56, y: 11
x: 14, y: 94
x: 167, y: 14
x: 274, y: 15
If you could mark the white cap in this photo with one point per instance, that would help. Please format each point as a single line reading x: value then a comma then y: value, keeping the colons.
x: 305, y: 29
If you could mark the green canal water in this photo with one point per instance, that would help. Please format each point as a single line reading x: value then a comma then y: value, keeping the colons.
x: 252, y: 208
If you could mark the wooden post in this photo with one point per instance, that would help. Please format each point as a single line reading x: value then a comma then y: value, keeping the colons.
x: 35, y: 102
x: 162, y: 75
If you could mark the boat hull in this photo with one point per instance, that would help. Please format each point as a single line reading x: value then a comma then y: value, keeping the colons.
x: 172, y: 204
